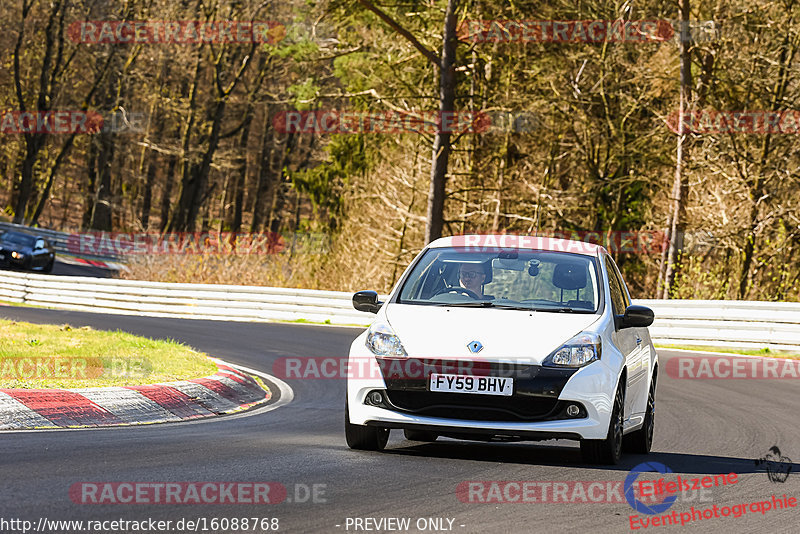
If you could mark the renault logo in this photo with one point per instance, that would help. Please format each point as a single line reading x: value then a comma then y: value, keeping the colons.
x: 475, y: 346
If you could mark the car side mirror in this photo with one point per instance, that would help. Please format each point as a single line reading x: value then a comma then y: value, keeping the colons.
x: 635, y: 316
x: 367, y: 301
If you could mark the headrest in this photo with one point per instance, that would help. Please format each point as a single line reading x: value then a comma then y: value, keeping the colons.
x: 487, y: 268
x: 569, y: 276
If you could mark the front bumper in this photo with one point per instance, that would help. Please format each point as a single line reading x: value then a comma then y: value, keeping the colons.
x: 534, y: 411
x: 7, y: 261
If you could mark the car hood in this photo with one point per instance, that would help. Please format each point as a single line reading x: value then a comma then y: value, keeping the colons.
x: 506, y: 335
x: 14, y: 246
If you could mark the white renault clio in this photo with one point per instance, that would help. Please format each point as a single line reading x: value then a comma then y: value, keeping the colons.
x: 505, y: 338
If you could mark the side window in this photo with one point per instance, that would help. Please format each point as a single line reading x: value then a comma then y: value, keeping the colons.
x: 622, y: 285
x: 617, y: 293
x: 39, y: 243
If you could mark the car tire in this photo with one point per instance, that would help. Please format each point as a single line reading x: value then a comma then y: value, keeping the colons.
x: 49, y: 267
x: 362, y: 437
x: 419, y: 435
x: 640, y: 441
x: 609, y: 450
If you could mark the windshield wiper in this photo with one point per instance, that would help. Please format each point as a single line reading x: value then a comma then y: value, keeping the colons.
x: 513, y: 307
x: 490, y: 304
x: 484, y: 304
x: 564, y: 309
x: 469, y: 304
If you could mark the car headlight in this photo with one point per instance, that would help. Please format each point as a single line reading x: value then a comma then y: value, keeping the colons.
x: 382, y: 341
x: 581, y: 350
x: 17, y: 255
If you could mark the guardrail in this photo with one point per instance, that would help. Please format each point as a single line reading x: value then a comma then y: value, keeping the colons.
x: 743, y: 324
x: 193, y: 301
x: 726, y: 323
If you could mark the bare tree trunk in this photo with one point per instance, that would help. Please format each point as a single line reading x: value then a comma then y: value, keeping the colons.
x: 441, y: 143
x: 147, y: 194
x: 176, y: 221
x: 166, y: 193
x: 447, y: 82
x: 198, y: 191
x: 48, y: 186
x: 91, y: 186
x: 241, y: 171
x: 101, y: 217
x: 279, y: 197
x: 265, y: 179
x: 757, y: 187
x: 678, y: 216
x: 34, y: 141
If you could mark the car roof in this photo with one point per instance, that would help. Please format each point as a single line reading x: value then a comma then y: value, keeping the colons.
x: 481, y: 242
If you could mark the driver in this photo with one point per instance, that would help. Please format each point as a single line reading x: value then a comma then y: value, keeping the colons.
x: 471, y: 276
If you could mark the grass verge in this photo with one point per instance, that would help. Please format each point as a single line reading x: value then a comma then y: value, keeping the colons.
x: 52, y: 356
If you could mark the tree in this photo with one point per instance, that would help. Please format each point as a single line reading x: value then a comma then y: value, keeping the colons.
x: 447, y: 87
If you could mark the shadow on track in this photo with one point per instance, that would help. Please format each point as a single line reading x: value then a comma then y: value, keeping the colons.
x: 566, y: 456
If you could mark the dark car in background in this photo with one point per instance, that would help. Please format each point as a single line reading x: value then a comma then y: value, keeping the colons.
x: 23, y: 250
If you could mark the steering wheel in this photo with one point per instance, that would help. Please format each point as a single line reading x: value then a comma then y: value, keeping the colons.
x: 458, y: 289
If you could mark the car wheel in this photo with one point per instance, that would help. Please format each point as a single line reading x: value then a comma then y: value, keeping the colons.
x: 641, y: 441
x: 362, y: 437
x: 609, y: 450
x: 49, y: 267
x: 419, y: 435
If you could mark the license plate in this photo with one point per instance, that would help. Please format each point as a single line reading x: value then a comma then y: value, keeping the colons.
x: 483, y: 385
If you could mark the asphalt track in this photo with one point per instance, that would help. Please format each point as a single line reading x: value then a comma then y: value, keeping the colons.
x: 67, y: 269
x: 703, y: 427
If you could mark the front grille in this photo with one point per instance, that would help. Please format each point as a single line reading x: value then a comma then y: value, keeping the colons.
x: 475, y: 407
x: 535, y: 398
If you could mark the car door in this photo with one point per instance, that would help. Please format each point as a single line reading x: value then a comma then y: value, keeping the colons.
x: 643, y: 361
x: 625, y: 339
x: 49, y: 254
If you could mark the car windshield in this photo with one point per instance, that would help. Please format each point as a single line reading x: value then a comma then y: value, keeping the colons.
x: 17, y: 238
x: 515, y: 279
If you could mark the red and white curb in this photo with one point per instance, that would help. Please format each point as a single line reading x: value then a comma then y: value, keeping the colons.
x: 227, y: 391
x: 75, y: 260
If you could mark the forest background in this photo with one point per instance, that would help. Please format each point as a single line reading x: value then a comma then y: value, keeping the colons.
x: 583, y: 135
